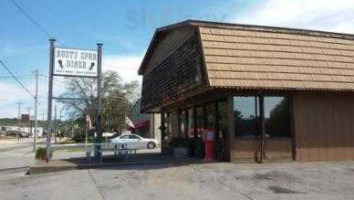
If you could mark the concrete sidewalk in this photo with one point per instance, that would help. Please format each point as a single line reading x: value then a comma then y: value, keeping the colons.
x: 222, y: 181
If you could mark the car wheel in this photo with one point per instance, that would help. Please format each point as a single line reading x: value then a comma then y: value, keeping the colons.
x: 151, y: 145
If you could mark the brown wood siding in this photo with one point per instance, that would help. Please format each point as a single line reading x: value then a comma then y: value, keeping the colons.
x: 245, y: 149
x: 175, y: 77
x: 278, y: 148
x: 324, y: 127
x: 275, y: 149
x: 168, y: 45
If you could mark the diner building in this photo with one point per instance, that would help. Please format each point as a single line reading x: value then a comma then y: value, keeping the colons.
x: 268, y: 93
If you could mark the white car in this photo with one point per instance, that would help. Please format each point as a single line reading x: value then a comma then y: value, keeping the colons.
x: 135, y: 141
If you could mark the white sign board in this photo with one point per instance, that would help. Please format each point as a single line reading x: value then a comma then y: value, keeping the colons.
x: 75, y: 62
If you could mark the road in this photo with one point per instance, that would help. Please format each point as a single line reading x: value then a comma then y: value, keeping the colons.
x: 16, y: 155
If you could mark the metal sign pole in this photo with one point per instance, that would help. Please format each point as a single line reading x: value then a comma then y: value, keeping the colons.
x: 35, y: 114
x: 50, y: 95
x: 99, y: 101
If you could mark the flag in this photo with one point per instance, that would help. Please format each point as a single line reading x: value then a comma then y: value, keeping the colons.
x: 88, y: 122
x: 129, y: 122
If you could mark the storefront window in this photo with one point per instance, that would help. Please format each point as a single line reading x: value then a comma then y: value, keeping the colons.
x: 167, y: 126
x: 246, y: 115
x: 200, y: 123
x: 210, y: 116
x: 182, y: 124
x: 277, y: 116
x: 222, y: 119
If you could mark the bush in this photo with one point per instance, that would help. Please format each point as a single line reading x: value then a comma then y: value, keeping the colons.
x: 41, y: 153
x: 79, y: 137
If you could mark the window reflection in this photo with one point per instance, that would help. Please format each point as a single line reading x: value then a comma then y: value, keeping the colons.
x: 210, y: 109
x: 222, y: 119
x: 200, y: 121
x: 277, y: 117
x: 246, y: 114
x: 183, y: 124
x: 276, y: 114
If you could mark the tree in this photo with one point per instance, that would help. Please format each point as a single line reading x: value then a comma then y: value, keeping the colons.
x: 117, y: 100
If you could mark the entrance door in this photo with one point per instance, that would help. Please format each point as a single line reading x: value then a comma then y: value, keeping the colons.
x: 262, y: 125
x: 277, y: 138
x: 222, y: 152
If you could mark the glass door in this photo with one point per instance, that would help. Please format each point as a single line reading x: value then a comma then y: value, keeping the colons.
x: 269, y: 133
x: 222, y: 147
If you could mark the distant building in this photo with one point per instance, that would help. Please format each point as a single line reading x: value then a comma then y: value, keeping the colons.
x: 146, y: 125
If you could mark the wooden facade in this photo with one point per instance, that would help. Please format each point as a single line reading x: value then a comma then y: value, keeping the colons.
x: 274, y: 149
x: 324, y: 127
x: 198, y: 63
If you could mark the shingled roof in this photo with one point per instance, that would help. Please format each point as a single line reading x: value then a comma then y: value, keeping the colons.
x: 261, y: 57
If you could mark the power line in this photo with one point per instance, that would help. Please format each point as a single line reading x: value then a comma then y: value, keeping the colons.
x: 39, y: 26
x: 18, y: 81
x: 18, y: 76
x: 31, y: 19
x: 46, y: 77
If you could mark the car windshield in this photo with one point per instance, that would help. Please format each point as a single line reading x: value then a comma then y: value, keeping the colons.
x: 124, y: 137
x: 134, y: 137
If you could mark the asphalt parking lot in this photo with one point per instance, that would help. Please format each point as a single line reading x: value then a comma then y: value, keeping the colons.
x: 189, y: 181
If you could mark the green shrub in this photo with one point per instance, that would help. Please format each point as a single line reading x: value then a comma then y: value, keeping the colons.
x: 41, y: 153
x: 79, y: 137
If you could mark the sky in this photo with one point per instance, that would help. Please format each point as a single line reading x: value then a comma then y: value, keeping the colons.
x: 125, y: 27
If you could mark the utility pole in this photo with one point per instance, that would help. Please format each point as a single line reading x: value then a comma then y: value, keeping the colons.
x: 55, y: 124
x: 29, y: 119
x: 35, y: 113
x: 60, y: 124
x: 19, y: 121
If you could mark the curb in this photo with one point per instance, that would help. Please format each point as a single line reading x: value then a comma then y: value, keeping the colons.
x: 14, y: 168
x: 49, y: 169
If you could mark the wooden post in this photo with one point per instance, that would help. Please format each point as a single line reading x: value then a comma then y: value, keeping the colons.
x: 292, y: 126
x: 163, y: 132
x: 216, y: 121
x: 186, y: 128
x: 205, y: 120
x: 195, y: 120
x: 162, y: 127
x: 231, y: 126
x: 262, y: 127
x: 179, y: 123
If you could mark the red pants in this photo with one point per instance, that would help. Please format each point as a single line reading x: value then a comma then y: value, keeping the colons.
x: 209, y: 150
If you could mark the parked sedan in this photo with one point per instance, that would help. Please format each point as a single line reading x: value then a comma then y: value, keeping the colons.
x: 135, y: 141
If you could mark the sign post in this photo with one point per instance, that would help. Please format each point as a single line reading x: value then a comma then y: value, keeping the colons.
x: 50, y: 97
x: 99, y: 102
x: 75, y: 63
